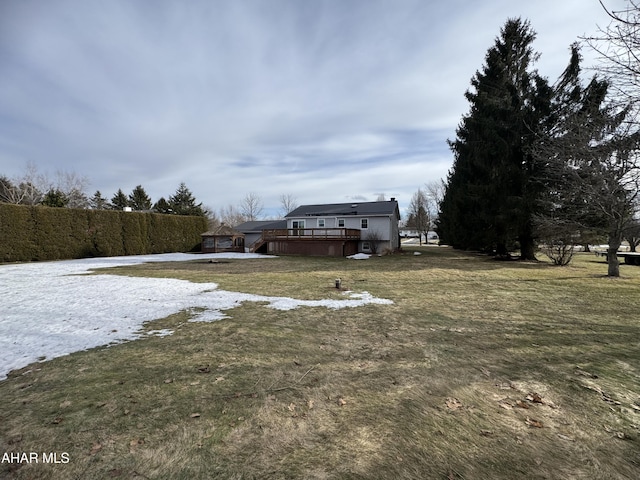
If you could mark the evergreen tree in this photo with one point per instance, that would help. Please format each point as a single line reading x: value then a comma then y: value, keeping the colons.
x: 183, y: 202
x: 139, y: 200
x: 119, y: 201
x: 98, y: 202
x: 489, y: 200
x: 162, y: 206
x: 55, y: 198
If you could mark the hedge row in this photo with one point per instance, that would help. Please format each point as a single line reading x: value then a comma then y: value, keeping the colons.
x: 30, y: 233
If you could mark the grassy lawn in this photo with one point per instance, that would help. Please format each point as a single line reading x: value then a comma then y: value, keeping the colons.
x: 479, y: 370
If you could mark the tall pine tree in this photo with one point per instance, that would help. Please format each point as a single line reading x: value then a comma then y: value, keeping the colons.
x: 184, y: 203
x: 119, y: 201
x: 489, y: 200
x: 98, y: 202
x: 139, y: 200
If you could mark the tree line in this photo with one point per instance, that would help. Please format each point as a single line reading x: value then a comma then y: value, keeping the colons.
x: 68, y: 190
x: 537, y: 162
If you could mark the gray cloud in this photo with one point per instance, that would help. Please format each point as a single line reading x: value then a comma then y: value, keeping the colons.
x: 321, y: 99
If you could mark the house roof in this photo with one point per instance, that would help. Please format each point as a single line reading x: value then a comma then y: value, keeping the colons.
x: 259, y: 225
x: 388, y: 207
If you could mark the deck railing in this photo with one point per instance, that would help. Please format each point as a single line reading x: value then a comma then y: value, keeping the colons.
x: 312, y: 234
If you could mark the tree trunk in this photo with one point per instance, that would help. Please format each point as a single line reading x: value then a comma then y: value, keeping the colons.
x: 612, y: 256
x: 501, y: 251
x: 527, y: 248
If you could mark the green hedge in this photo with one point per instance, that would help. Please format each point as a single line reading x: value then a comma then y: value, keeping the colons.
x: 30, y: 233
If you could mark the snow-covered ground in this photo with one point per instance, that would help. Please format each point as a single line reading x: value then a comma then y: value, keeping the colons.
x: 51, y: 309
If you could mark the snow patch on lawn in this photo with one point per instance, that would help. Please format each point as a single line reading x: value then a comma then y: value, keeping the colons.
x: 51, y: 309
x: 359, y: 256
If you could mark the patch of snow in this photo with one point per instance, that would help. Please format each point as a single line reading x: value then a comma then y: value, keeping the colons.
x: 359, y: 256
x: 159, y: 333
x: 51, y: 309
x: 417, y: 253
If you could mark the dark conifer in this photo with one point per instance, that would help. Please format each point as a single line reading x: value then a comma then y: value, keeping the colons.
x: 489, y: 201
x: 184, y: 203
x: 139, y: 200
x: 119, y: 200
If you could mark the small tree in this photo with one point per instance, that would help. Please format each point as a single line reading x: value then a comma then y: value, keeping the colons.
x: 556, y: 238
x: 373, y: 237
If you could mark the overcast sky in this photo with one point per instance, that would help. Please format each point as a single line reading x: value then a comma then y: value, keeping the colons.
x: 329, y: 101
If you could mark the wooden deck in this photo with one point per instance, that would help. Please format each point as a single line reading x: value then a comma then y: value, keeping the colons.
x: 311, y: 234
x: 308, y: 241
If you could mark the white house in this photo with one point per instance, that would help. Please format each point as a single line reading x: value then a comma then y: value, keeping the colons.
x: 334, y: 229
x: 377, y: 222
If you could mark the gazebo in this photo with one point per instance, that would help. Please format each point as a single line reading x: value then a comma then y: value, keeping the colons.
x: 222, y: 239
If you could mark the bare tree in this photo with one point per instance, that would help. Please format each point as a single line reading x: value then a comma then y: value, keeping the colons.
x: 434, y: 191
x: 74, y: 187
x: 589, y: 161
x: 27, y: 189
x: 618, y: 47
x: 32, y: 186
x: 251, y: 206
x: 374, y: 237
x: 231, y: 216
x: 213, y: 219
x: 632, y: 235
x: 557, y: 237
x: 419, y: 214
x: 288, y: 203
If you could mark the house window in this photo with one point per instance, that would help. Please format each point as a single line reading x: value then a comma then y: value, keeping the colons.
x: 341, y: 223
x: 366, y: 246
x: 364, y: 223
x: 321, y: 222
x: 297, y: 224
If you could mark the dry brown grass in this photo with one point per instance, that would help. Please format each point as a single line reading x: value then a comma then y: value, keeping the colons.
x: 478, y: 370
